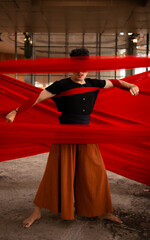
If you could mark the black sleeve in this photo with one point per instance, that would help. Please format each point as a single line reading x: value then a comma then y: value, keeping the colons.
x: 55, y: 87
x: 98, y: 83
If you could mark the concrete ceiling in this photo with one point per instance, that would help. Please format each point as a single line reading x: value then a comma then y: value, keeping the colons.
x: 105, y: 16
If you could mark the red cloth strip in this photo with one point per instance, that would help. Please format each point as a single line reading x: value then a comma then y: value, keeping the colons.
x: 67, y: 64
x: 27, y: 104
x: 117, y: 84
x: 77, y: 91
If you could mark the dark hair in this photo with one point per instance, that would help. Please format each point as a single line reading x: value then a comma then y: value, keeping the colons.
x: 79, y: 52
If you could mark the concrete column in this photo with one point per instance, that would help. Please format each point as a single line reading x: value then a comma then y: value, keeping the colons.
x: 67, y: 50
x: 116, y: 50
x: 99, y: 51
x: 131, y: 50
x: 33, y: 56
x: 97, y: 73
x: 147, y: 46
x: 49, y: 42
x: 28, y: 53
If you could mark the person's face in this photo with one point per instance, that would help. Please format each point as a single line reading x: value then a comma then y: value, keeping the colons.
x: 79, y: 76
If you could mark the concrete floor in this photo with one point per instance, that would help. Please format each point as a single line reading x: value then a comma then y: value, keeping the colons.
x: 19, y: 180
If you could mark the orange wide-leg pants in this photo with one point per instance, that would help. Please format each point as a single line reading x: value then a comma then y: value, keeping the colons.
x: 75, y: 172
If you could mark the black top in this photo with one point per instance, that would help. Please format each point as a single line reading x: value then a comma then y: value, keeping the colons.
x: 81, y: 104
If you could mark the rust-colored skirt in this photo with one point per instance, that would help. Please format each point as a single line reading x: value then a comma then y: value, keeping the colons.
x: 75, y: 172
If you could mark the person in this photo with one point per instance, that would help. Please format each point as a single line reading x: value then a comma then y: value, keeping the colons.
x: 74, y: 172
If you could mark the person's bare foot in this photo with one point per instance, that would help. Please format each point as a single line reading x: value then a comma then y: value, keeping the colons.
x: 111, y: 217
x: 33, y: 217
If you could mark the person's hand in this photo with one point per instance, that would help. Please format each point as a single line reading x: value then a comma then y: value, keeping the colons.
x: 134, y: 90
x: 11, y: 116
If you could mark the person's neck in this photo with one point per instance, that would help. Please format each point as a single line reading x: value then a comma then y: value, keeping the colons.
x: 82, y: 81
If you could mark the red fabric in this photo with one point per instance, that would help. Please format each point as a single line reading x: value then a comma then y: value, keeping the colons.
x: 120, y: 123
x: 73, y: 64
x: 77, y: 91
x: 27, y: 104
x: 117, y: 84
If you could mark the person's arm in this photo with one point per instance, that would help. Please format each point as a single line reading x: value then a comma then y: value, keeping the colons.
x: 134, y: 89
x: 43, y: 96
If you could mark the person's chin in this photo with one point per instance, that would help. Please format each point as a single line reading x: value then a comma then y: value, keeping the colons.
x: 79, y: 78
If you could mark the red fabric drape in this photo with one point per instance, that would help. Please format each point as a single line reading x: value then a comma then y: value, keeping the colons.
x: 74, y: 64
x: 120, y: 124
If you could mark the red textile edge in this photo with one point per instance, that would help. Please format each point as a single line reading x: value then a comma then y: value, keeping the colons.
x: 67, y: 64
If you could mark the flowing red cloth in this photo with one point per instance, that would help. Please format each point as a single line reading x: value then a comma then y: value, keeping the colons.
x: 73, y: 64
x: 120, y: 124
